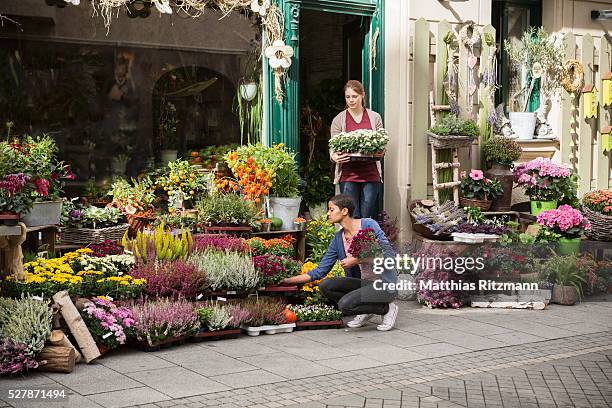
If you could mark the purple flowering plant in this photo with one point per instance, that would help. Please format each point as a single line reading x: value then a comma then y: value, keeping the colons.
x: 274, y: 268
x: 15, y: 358
x: 105, y: 248
x: 164, y: 319
x: 109, y: 324
x: 170, y: 279
x: 219, y: 241
x: 15, y: 193
x: 364, y: 244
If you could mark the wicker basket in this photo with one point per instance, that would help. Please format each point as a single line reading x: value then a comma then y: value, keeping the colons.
x: 450, y: 141
x: 484, y: 205
x: 422, y: 230
x: 87, y: 236
x: 601, y: 225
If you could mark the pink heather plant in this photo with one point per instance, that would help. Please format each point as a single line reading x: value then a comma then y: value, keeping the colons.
x: 219, y: 241
x: 238, y: 314
x: 164, y: 319
x: 14, y: 358
x: 170, y: 279
x: 544, y: 180
x: 103, y: 317
x: 565, y: 220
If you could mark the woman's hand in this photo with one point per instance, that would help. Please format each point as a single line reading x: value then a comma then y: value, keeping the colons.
x: 349, y: 262
x: 341, y: 157
x: 296, y: 280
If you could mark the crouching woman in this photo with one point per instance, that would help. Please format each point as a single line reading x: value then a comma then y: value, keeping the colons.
x: 355, y: 294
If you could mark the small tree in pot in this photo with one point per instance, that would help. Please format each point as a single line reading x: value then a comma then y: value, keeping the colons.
x: 568, y: 278
x: 500, y: 153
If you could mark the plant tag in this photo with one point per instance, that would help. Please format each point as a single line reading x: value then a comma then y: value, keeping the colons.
x: 107, y: 335
x: 119, y: 273
x: 222, y: 299
x: 262, y: 288
x: 40, y: 299
x: 200, y: 296
x: 472, y: 60
x: 109, y: 298
x: 231, y: 292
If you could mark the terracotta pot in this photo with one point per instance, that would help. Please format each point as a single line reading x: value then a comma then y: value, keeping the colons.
x: 503, y: 174
x: 138, y: 223
x: 484, y: 205
x: 564, y: 295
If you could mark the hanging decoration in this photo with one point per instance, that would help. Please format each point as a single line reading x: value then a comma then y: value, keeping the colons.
x: 260, y: 6
x: 606, y: 91
x: 606, y: 139
x: 279, y: 58
x: 470, y: 37
x: 450, y: 77
x: 489, y: 79
x: 589, y: 101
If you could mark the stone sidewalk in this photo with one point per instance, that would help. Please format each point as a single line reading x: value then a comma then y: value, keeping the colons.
x: 434, y: 358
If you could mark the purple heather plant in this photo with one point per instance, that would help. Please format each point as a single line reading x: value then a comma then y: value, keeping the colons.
x: 164, y: 319
x: 219, y: 241
x: 14, y: 358
x: 239, y: 315
x: 170, y: 279
x: 264, y: 312
x: 387, y: 226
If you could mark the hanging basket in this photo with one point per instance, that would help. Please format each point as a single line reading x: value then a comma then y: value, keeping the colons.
x: 449, y: 141
x: 600, y: 225
x: 87, y: 236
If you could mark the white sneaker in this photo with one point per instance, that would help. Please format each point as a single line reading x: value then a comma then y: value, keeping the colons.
x: 389, y: 319
x: 359, y: 320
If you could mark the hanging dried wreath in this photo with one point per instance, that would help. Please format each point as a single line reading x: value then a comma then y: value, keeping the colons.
x: 572, y: 76
x: 470, y: 36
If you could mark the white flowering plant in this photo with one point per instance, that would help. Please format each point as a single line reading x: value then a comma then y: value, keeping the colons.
x: 364, y: 141
x: 316, y: 313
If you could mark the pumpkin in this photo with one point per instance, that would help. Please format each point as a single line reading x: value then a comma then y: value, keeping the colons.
x: 290, y: 315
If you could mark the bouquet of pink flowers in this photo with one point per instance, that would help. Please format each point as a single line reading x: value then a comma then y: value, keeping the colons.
x: 544, y: 180
x: 365, y: 244
x: 565, y: 220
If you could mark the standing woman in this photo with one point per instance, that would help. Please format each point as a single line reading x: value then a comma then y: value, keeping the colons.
x: 362, y: 180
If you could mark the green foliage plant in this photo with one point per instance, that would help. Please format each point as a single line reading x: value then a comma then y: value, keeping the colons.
x: 318, y: 178
x: 226, y: 270
x: 319, y: 234
x: 231, y: 209
x: 501, y: 150
x: 451, y: 125
x: 563, y: 270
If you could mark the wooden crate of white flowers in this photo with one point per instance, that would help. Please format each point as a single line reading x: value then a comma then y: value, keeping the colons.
x: 361, y: 144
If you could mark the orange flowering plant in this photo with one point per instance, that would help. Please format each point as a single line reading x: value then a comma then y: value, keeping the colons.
x: 275, y: 246
x: 599, y: 201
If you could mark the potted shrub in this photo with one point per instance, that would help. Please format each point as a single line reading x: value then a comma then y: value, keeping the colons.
x: 273, y: 269
x: 168, y: 133
x: 477, y: 191
x: 452, y: 132
x: 225, y: 270
x: 227, y: 210
x: 299, y: 224
x: 546, y: 183
x: 597, y: 207
x: 135, y: 200
x: 537, y: 61
x: 181, y: 182
x: 500, y: 153
x: 220, y: 321
x: 567, y: 222
x: 163, y: 321
x: 319, y: 184
x: 108, y: 324
x: 568, y: 278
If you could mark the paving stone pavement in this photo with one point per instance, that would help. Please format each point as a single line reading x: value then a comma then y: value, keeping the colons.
x: 560, y: 357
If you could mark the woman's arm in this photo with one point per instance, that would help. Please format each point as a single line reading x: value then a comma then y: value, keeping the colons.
x: 326, y: 265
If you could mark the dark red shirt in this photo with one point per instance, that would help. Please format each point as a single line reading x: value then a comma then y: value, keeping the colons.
x: 359, y: 171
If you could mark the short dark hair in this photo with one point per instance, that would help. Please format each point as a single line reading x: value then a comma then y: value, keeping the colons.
x: 344, y: 201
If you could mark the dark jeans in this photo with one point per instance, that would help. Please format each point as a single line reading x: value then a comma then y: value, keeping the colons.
x: 364, y: 197
x: 356, y: 296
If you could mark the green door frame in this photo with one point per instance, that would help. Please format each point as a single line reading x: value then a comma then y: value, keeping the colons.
x: 283, y: 118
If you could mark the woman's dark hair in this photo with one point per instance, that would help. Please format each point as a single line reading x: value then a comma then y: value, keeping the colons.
x: 344, y: 201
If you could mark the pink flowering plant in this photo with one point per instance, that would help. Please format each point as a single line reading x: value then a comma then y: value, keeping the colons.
x: 109, y: 324
x: 476, y: 186
x: 365, y: 244
x: 164, y: 319
x: 274, y: 268
x: 565, y: 220
x: 544, y: 180
x: 15, y: 358
x: 15, y: 193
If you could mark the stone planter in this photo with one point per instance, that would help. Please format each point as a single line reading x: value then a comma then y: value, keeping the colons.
x: 564, y: 295
x: 523, y: 124
x: 503, y: 174
x: 43, y: 213
x: 539, y: 206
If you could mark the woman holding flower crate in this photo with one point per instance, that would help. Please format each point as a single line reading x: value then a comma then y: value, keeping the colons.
x: 361, y: 180
x: 354, y: 246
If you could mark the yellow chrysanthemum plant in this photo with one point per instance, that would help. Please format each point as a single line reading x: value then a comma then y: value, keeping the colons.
x: 310, y: 291
x: 45, y: 277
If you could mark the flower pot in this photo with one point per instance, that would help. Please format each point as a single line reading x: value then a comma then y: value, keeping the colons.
x: 287, y: 209
x: 265, y: 226
x: 484, y: 205
x: 138, y: 223
x: 503, y: 174
x: 564, y: 295
x: 523, y: 124
x: 299, y: 226
x: 43, y: 213
x: 568, y: 246
x: 248, y: 91
x: 168, y: 156
x: 8, y: 219
x: 539, y: 206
